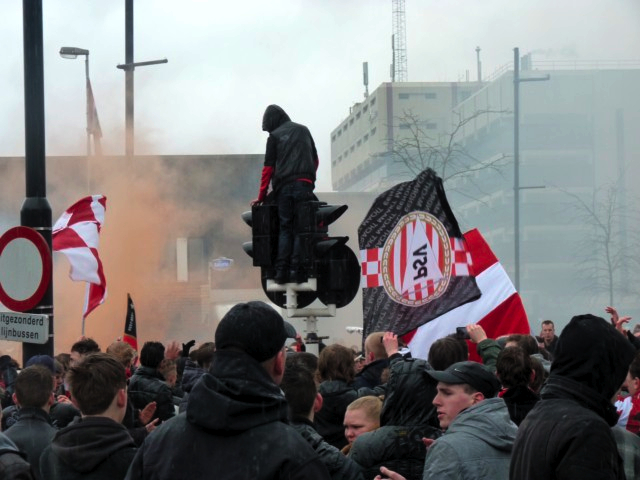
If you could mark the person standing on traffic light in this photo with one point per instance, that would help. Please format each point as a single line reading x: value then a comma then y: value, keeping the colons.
x: 290, y: 165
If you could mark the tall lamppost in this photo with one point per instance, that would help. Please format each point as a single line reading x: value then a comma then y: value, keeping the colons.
x: 73, y: 52
x: 516, y: 158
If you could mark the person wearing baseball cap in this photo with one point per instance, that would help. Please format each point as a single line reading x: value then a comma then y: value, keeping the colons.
x: 236, y: 420
x: 479, y: 433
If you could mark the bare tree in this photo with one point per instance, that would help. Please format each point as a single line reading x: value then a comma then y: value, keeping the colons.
x: 609, y: 254
x: 417, y: 148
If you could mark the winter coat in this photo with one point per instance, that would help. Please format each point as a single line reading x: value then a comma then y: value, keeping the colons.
x: 191, y: 375
x: 339, y: 465
x: 336, y: 396
x: 369, y: 376
x: 406, y: 417
x: 91, y: 448
x: 520, y: 401
x: 477, y: 445
x: 235, y: 427
x: 32, y: 433
x: 13, y: 466
x: 291, y: 151
x: 568, y: 434
x: 147, y: 385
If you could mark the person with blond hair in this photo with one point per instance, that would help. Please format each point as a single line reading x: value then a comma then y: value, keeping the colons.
x: 362, y: 415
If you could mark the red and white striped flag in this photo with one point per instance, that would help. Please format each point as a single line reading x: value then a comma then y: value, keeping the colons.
x: 76, y: 235
x: 499, y: 310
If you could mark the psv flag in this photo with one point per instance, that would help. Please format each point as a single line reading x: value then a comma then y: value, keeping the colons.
x: 76, y: 234
x: 415, y: 265
x: 499, y: 311
x: 130, y: 335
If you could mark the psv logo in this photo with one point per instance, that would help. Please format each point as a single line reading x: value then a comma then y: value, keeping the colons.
x: 416, y: 260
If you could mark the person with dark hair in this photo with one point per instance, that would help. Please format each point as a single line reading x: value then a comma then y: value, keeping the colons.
x: 8, y: 373
x: 376, y: 362
x: 300, y: 390
x: 336, y: 372
x: 97, y: 446
x: 407, y: 417
x: 479, y: 434
x: 632, y: 383
x: 33, y: 431
x: 147, y: 384
x: 236, y: 423
x: 290, y: 165
x: 514, y: 369
x: 446, y: 351
x: 83, y: 347
x: 568, y: 433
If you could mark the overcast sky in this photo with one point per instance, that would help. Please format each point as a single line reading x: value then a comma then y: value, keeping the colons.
x: 229, y: 60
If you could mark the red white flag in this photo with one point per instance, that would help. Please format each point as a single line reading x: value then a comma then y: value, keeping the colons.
x: 499, y: 310
x: 76, y: 234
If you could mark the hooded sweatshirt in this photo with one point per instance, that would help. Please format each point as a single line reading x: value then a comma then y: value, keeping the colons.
x: 568, y: 435
x: 477, y: 445
x: 91, y: 448
x: 235, y: 427
x: 291, y: 153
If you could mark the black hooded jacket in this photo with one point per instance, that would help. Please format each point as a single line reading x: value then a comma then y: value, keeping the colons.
x: 235, y: 427
x: 92, y: 448
x: 568, y: 435
x: 13, y: 466
x: 291, y: 151
x: 405, y: 419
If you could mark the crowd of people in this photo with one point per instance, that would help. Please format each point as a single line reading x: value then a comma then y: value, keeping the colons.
x: 253, y: 404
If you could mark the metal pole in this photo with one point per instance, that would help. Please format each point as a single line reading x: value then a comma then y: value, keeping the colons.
x: 516, y: 164
x: 86, y: 71
x: 128, y: 47
x: 35, y: 211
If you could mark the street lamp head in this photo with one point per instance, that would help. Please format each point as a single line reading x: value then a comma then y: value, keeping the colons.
x: 73, y: 52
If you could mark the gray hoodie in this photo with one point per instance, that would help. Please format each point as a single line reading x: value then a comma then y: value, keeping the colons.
x: 477, y: 445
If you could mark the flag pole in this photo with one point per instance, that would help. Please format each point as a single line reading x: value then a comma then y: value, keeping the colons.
x: 86, y: 305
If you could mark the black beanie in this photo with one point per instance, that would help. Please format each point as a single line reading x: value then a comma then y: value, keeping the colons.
x: 254, y: 328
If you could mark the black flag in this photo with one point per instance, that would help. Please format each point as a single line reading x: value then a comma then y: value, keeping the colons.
x: 415, y: 265
x: 130, y: 335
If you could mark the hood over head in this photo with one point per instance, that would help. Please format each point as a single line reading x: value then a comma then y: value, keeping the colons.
x: 593, y: 353
x: 273, y: 117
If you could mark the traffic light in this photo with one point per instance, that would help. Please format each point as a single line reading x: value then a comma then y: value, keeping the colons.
x: 327, y: 259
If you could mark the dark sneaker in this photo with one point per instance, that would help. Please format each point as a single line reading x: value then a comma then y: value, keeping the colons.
x: 298, y: 276
x: 281, y: 277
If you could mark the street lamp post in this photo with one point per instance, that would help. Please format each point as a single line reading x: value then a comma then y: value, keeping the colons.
x: 73, y: 52
x: 516, y: 158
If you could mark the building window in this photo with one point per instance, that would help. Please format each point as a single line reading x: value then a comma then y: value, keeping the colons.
x: 359, y: 143
x: 373, y: 101
x: 333, y: 138
x: 403, y: 96
x: 353, y: 147
x: 358, y: 116
x: 430, y: 95
x: 366, y: 137
x: 404, y: 126
x: 334, y: 163
x: 373, y: 131
x: 351, y: 121
x: 365, y: 108
x: 431, y: 126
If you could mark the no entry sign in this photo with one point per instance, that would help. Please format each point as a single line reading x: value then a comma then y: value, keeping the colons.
x: 25, y: 268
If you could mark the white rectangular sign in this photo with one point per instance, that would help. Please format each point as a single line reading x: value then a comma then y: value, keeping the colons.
x: 24, y: 327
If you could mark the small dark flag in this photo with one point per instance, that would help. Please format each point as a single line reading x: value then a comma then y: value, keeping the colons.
x: 130, y: 335
x: 415, y: 264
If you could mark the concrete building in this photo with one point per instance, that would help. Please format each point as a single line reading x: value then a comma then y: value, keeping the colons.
x: 577, y: 139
